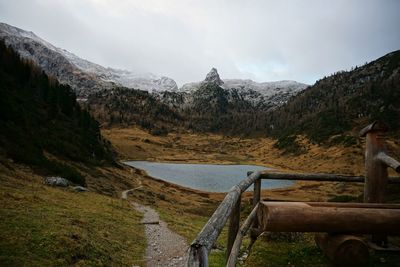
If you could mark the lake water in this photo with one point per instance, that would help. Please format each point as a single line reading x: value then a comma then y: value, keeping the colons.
x: 205, y: 177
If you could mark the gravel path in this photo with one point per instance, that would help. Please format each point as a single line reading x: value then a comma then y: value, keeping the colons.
x: 165, y: 247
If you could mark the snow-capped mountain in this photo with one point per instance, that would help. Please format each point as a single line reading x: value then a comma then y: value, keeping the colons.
x: 86, y: 77
x: 83, y: 76
x: 273, y: 93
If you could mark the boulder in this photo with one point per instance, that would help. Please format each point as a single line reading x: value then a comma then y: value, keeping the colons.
x: 80, y: 189
x: 56, y: 181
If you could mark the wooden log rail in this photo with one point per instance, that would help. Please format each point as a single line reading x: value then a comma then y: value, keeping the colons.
x: 376, y: 178
x: 343, y: 218
x: 230, y: 208
x: 201, y: 246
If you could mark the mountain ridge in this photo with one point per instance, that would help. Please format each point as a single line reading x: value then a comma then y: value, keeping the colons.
x: 86, y: 77
x: 82, y: 75
x: 274, y: 93
x: 336, y: 107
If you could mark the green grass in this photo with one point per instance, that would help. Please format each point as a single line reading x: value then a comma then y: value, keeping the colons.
x: 283, y: 253
x: 44, y: 226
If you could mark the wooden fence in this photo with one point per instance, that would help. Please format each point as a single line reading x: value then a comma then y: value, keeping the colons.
x: 375, y: 181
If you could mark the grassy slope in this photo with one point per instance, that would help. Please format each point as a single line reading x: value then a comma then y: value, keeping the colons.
x: 34, y: 206
x: 133, y: 143
x: 45, y: 226
x: 187, y: 213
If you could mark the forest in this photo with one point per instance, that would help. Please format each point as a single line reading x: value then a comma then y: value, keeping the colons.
x: 40, y: 120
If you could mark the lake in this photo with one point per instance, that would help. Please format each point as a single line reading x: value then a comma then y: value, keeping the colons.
x: 205, y: 177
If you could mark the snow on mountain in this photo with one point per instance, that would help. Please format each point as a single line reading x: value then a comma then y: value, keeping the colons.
x: 273, y: 93
x: 86, y: 77
x: 82, y: 75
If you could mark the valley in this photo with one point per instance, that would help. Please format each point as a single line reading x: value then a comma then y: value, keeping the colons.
x: 64, y: 116
x: 185, y: 210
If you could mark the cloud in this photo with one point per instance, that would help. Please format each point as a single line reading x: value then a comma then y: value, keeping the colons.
x: 261, y: 40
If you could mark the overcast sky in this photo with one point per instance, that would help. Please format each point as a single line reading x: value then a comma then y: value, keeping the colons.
x: 259, y: 40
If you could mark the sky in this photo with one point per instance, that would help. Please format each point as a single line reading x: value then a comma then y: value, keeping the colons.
x: 183, y: 39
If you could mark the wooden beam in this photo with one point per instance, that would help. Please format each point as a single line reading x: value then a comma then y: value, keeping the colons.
x: 376, y: 173
x: 319, y: 177
x: 388, y: 161
x: 239, y: 237
x: 233, y: 227
x: 375, y: 126
x: 204, y: 241
x: 256, y: 192
x: 256, y: 199
x: 301, y: 217
x: 354, y: 205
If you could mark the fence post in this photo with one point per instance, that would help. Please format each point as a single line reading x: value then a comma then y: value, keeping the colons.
x: 234, y: 221
x: 376, y: 174
x: 256, y: 199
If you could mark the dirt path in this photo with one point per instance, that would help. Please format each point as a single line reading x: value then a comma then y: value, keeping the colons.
x: 165, y: 247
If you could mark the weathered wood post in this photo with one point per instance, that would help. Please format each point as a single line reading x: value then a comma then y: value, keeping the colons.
x: 376, y: 164
x: 257, y: 192
x: 376, y: 173
x: 256, y: 198
x: 234, y: 221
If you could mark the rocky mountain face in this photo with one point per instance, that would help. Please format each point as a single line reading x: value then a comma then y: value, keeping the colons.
x: 86, y: 77
x: 270, y: 93
x: 239, y: 92
x: 210, y: 108
x: 83, y: 76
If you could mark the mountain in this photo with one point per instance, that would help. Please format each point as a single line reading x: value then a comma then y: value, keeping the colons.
x: 40, y: 120
x: 83, y: 76
x: 123, y: 106
x: 86, y: 77
x: 210, y: 108
x: 271, y: 93
x: 335, y: 108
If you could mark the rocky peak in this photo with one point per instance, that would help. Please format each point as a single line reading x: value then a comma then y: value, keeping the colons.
x: 213, y: 77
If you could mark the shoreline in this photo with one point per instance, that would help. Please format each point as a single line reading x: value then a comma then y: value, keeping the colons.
x: 297, y: 185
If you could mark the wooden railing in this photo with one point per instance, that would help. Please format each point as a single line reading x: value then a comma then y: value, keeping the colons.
x: 376, y: 158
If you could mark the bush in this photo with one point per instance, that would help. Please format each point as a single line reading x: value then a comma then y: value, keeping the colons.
x: 289, y: 144
x: 345, y: 140
x: 159, y: 131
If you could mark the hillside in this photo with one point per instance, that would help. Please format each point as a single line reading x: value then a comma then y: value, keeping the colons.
x: 83, y: 76
x: 330, y: 112
x: 40, y: 119
x: 124, y: 107
x: 210, y: 108
x: 334, y: 106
